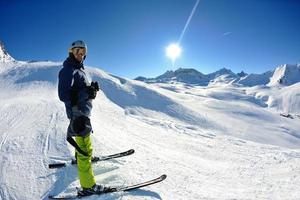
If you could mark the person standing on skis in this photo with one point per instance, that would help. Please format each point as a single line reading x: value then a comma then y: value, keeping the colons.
x: 77, y: 93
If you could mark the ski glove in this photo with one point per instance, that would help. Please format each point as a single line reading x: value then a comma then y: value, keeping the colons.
x: 93, y: 89
x: 82, y: 126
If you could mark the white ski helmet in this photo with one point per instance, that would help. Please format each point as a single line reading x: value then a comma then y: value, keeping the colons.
x: 78, y: 43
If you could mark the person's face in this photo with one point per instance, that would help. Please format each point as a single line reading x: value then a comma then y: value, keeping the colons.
x: 79, y: 53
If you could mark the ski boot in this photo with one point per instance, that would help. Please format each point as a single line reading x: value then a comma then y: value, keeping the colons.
x: 96, y: 189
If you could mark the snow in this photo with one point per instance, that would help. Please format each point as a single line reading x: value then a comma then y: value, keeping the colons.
x: 221, y: 141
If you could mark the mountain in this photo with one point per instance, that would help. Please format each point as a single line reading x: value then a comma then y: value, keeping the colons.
x: 4, y: 56
x: 204, y: 138
x: 285, y: 75
x: 190, y: 76
x: 221, y: 72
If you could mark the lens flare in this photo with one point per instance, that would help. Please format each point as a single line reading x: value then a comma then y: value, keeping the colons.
x: 173, y: 51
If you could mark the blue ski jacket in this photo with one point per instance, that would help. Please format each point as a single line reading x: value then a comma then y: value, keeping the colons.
x: 73, y: 83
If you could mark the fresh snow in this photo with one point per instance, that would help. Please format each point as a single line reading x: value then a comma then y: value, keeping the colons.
x: 221, y: 141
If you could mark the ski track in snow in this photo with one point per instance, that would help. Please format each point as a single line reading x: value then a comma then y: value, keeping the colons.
x: 230, y: 153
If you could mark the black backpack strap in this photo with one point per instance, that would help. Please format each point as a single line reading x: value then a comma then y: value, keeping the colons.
x: 75, y: 145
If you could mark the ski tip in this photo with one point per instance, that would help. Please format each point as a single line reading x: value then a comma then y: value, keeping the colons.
x: 163, y: 177
x: 131, y: 151
x: 51, y: 197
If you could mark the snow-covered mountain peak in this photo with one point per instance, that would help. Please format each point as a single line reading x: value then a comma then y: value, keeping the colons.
x: 187, y: 70
x: 4, y: 56
x: 223, y: 71
x: 285, y: 75
x: 180, y: 72
x: 186, y: 75
x: 242, y: 74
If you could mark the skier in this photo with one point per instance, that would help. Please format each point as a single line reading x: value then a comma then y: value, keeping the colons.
x: 77, y: 92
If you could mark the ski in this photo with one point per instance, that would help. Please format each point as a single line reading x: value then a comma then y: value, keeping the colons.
x: 116, y: 189
x: 94, y: 159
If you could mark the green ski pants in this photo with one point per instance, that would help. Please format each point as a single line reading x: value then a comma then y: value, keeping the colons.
x: 85, y: 171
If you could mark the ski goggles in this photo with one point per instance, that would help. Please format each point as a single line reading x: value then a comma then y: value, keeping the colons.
x: 79, y: 51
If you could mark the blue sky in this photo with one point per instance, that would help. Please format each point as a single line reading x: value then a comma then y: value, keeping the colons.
x: 128, y: 37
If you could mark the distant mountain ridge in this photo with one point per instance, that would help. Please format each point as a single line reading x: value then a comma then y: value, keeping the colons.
x: 283, y: 75
x: 187, y: 75
x: 192, y: 76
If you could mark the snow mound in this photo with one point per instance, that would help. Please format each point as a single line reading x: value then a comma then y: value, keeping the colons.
x: 255, y: 79
x: 29, y: 72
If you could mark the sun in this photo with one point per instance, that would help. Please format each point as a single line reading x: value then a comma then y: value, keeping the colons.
x: 173, y: 51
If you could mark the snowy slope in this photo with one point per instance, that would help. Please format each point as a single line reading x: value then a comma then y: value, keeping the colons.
x: 215, y: 142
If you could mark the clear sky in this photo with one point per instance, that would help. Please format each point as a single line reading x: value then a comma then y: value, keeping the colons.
x: 128, y: 37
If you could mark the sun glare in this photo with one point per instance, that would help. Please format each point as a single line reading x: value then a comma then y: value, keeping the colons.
x: 173, y: 51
